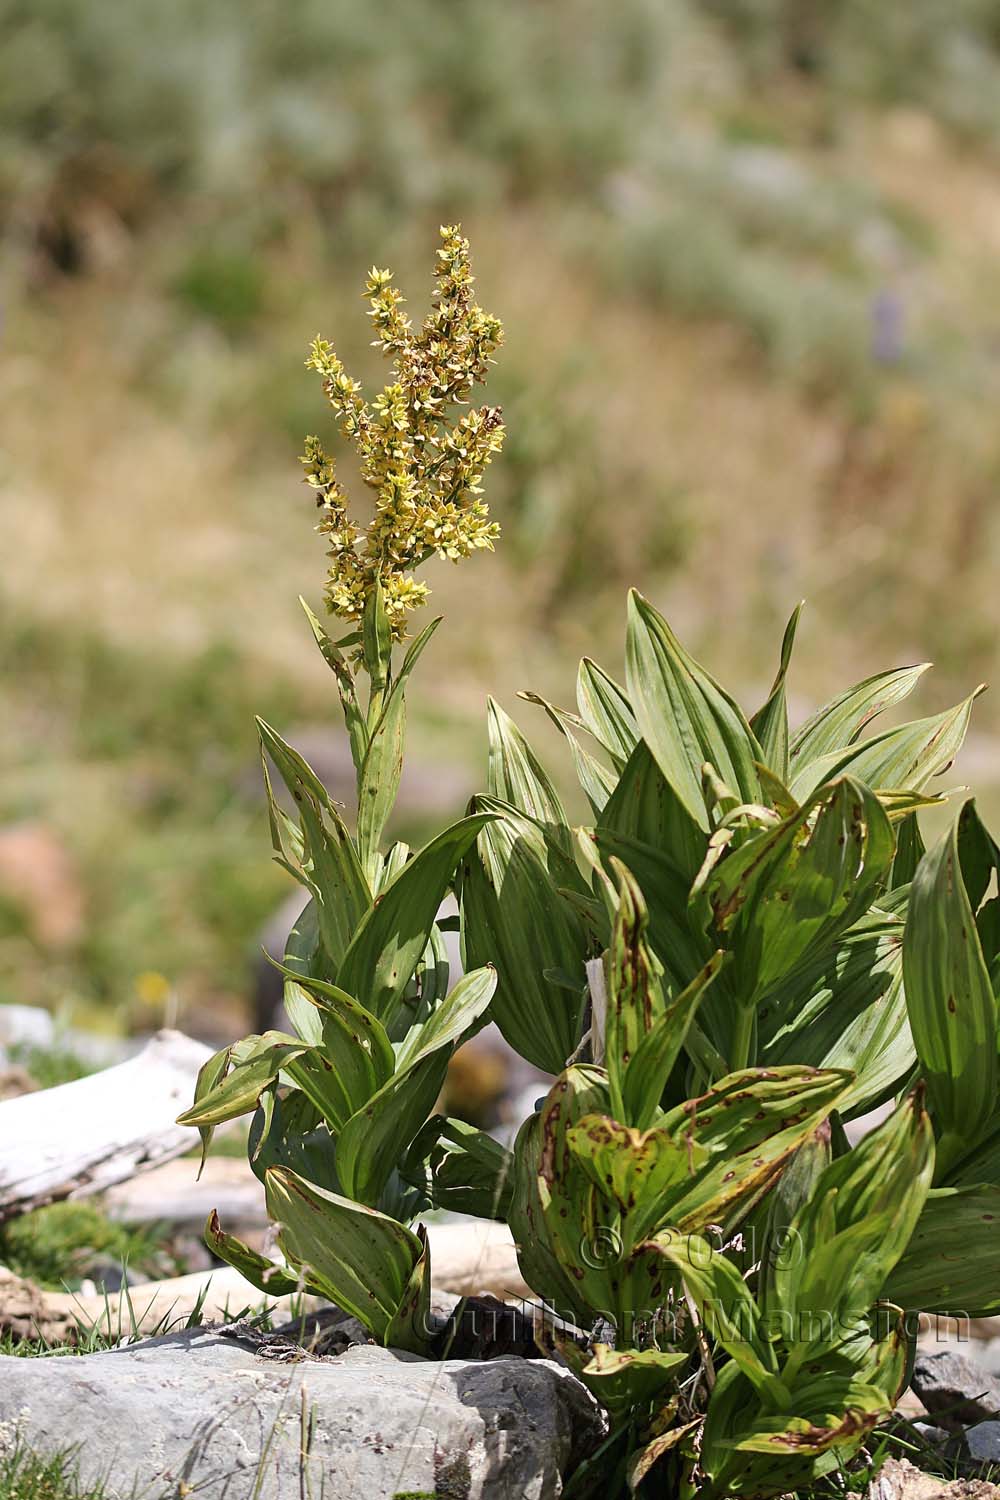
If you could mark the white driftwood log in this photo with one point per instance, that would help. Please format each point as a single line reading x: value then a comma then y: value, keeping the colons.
x: 472, y: 1255
x: 173, y: 1193
x: 83, y: 1137
x: 57, y: 1316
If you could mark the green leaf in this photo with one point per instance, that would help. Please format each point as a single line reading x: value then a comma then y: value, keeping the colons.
x: 357, y: 729
x: 750, y: 1124
x: 557, y: 1216
x: 606, y: 711
x: 375, y: 1139
x: 949, y: 1265
x: 910, y: 851
x: 644, y: 807
x: 853, y: 1229
x: 597, y: 780
x: 980, y: 859
x: 262, y: 1273
x: 681, y: 951
x: 255, y: 1064
x: 901, y: 759
x: 725, y: 1305
x: 838, y: 723
x: 845, y: 1008
x: 287, y: 1130
x: 210, y: 1074
x: 633, y: 1169
x: 461, y: 1169
x: 540, y: 1266
x: 792, y: 890
x: 359, y: 1259
x: 354, y: 1057
x: 446, y: 1025
x: 624, y: 1378
x: 410, y: 1326
x: 516, y: 777
x: 770, y: 723
x: 376, y: 643
x: 653, y: 1060
x: 514, y: 915
x: 636, y: 1001
x: 686, y: 718
x: 329, y: 861
x: 392, y: 936
x: 952, y: 1009
x: 378, y: 782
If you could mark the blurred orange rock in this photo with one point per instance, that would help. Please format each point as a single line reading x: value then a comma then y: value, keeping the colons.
x: 38, y: 878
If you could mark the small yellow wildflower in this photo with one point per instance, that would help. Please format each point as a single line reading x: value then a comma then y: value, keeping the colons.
x: 426, y: 470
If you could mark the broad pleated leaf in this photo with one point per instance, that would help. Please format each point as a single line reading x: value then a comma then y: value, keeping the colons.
x: 633, y: 1168
x: 514, y: 916
x: 979, y: 856
x: 725, y: 1304
x: 645, y: 807
x: 950, y: 1263
x: 952, y: 1009
x: 391, y: 938
x: 623, y: 1378
x: 357, y: 729
x: 636, y: 1000
x: 750, y: 1124
x: 548, y: 1242
x: 354, y: 1057
x: 686, y: 718
x: 770, y: 723
x: 597, y: 780
x: 329, y: 861
x: 606, y: 711
x: 845, y: 1008
x: 255, y: 1064
x: 838, y: 723
x: 901, y: 759
x: 411, y: 1326
x: 653, y: 1060
x: 210, y: 1074
x: 910, y: 850
x: 682, y: 951
x: 791, y: 891
x: 517, y: 777
x: 360, y: 1259
x: 461, y: 1169
x: 272, y: 1280
x: 855, y: 1226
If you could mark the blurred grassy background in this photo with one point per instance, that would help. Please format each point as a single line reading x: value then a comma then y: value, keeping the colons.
x: 746, y: 252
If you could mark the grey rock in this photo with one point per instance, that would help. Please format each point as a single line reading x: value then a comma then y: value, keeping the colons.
x: 954, y: 1388
x: 982, y: 1442
x: 934, y: 1437
x: 196, y: 1409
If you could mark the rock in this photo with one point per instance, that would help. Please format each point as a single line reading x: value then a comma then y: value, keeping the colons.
x: 982, y: 1442
x: 198, y: 1413
x: 899, y: 1480
x: 954, y: 1388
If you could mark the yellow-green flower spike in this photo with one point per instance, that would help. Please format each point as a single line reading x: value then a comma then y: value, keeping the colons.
x: 425, y: 467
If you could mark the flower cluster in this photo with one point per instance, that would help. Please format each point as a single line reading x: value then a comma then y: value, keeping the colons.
x: 425, y: 467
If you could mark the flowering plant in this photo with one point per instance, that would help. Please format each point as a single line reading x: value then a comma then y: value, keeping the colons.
x: 745, y: 949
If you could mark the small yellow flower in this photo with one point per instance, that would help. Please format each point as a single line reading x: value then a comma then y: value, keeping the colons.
x: 426, y: 474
